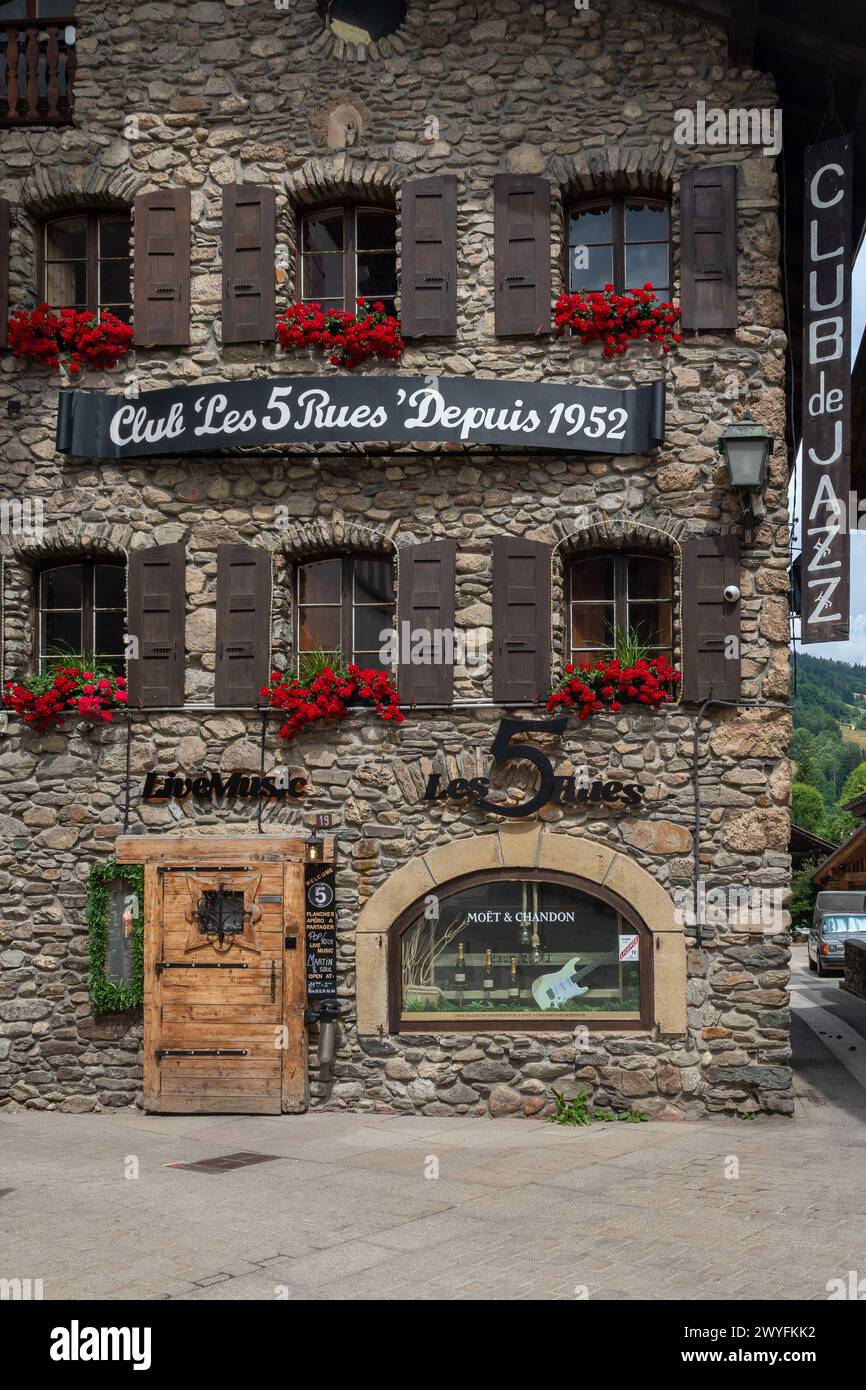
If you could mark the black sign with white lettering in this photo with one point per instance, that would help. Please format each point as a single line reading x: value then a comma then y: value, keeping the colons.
x: 363, y: 409
x: 825, y: 541
x: 321, y: 923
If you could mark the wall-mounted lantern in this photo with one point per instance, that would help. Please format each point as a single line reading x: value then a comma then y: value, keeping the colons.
x: 746, y: 447
x: 315, y: 848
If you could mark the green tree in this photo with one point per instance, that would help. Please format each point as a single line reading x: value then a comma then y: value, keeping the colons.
x: 807, y: 808
x: 805, y: 761
x: 855, y: 784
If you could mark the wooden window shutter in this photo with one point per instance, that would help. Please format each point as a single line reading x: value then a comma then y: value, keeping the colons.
x: 521, y: 619
x: 249, y: 236
x: 425, y: 601
x: 157, y: 619
x: 709, y: 622
x: 243, y: 629
x: 5, y: 235
x: 162, y: 273
x: 521, y: 254
x: 428, y: 282
x: 708, y: 279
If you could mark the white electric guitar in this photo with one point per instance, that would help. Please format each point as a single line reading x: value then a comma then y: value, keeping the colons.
x: 549, y: 991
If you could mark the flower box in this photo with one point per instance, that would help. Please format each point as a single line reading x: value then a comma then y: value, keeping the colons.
x: 347, y: 338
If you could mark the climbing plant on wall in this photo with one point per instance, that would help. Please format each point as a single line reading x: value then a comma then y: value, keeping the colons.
x: 109, y: 996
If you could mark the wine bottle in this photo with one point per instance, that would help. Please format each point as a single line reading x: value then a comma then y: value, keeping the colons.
x: 487, y: 982
x: 460, y: 967
x: 513, y: 986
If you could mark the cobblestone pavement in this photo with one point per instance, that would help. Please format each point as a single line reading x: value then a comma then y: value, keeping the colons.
x: 348, y: 1209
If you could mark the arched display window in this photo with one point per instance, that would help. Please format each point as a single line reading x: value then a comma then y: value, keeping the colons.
x: 523, y: 949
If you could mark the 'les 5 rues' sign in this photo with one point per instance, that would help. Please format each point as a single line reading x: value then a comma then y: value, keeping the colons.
x: 552, y: 789
x: 826, y: 425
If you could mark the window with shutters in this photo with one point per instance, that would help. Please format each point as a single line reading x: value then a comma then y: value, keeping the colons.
x: 347, y: 253
x: 248, y: 232
x: 161, y: 300
x: 428, y: 247
x: 81, y: 609
x: 521, y: 254
x: 619, y: 591
x: 345, y: 608
x: 84, y: 262
x: 243, y: 623
x: 620, y: 241
x: 708, y: 212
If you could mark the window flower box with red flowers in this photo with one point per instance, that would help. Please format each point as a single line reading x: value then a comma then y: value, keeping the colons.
x: 329, y: 694
x: 618, y: 320
x: 347, y: 338
x: 627, y: 675
x: 69, y: 339
x: 44, y: 699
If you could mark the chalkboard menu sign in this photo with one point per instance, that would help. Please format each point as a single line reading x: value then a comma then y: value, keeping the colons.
x: 321, y: 915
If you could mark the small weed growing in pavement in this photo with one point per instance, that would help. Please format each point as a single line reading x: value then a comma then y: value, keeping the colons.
x: 573, y: 1112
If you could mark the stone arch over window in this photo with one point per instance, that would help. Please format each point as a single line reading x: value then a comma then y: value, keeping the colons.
x: 30, y: 548
x: 613, y: 170
x: 328, y: 232
x: 613, y: 174
x: 56, y: 188
x: 83, y: 260
x: 343, y: 176
x: 304, y: 542
x: 530, y: 847
x: 600, y: 534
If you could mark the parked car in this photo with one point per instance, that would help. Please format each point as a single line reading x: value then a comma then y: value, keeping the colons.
x: 837, y: 918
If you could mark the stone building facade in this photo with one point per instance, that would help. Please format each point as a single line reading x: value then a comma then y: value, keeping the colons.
x: 205, y: 95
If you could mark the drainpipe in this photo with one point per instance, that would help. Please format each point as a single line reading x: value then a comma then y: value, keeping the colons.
x: 696, y: 834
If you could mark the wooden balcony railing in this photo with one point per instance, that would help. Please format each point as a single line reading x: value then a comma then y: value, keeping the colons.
x: 37, y: 72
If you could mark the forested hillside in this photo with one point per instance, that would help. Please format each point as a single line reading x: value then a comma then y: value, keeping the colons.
x: 829, y: 745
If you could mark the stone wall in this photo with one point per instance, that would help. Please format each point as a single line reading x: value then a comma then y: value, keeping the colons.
x: 855, y: 968
x: 205, y: 94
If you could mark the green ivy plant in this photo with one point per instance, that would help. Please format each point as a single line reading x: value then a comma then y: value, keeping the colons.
x: 106, y: 997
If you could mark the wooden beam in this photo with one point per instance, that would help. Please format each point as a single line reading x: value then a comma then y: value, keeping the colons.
x: 741, y: 33
x: 815, y: 47
x: 811, y: 44
x: 213, y: 849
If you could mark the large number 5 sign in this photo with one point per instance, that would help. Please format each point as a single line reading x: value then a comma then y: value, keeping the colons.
x: 503, y: 751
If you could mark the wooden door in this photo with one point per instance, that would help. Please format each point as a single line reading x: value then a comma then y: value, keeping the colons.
x: 224, y: 993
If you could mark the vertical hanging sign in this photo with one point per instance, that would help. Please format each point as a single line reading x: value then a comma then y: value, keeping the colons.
x: 826, y: 400
x: 321, y: 923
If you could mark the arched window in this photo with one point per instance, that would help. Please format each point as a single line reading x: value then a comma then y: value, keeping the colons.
x: 84, y: 262
x: 531, y: 948
x: 611, y: 592
x: 348, y: 253
x: 362, y: 21
x: 621, y: 240
x: 82, y: 611
x: 344, y: 603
